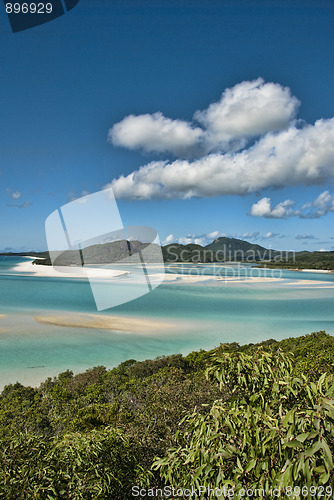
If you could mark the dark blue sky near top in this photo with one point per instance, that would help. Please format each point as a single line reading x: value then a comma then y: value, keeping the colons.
x: 66, y: 83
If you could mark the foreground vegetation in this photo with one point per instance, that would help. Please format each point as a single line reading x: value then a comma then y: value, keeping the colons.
x: 251, y: 416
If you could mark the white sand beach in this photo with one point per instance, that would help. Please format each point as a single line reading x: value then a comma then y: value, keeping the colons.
x: 28, y: 267
x: 301, y: 270
x: 191, y: 275
x: 316, y: 271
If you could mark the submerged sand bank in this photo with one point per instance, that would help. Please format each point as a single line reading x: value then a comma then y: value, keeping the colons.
x: 101, y: 322
x: 3, y: 330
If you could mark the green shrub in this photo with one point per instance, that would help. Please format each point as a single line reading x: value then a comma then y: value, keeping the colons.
x: 274, y: 431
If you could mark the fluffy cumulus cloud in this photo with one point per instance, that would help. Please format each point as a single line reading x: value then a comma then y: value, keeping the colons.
x: 281, y: 211
x: 155, y: 133
x: 285, y: 153
x: 323, y: 204
x: 315, y: 209
x: 206, y: 239
x: 197, y: 239
x: 247, y: 110
x: 185, y: 240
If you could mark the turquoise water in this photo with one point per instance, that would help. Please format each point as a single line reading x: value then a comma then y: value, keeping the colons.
x: 202, y: 315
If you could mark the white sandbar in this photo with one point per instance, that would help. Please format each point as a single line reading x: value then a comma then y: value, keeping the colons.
x: 101, y: 322
x: 66, y: 271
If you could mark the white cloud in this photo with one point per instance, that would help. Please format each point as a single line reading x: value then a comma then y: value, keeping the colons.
x: 305, y: 237
x: 261, y: 208
x: 155, y: 133
x: 214, y: 235
x: 193, y: 239
x: 323, y: 204
x: 206, y: 239
x: 269, y: 235
x: 291, y: 157
x: 247, y: 110
x: 170, y: 239
x: 197, y: 239
x: 252, y: 236
x: 319, y: 207
x: 15, y: 195
x: 257, y: 236
x: 281, y: 211
x: 285, y: 154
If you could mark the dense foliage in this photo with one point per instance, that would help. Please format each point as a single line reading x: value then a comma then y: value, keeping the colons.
x: 276, y: 432
x: 222, y: 249
x: 305, y: 260
x: 96, y: 434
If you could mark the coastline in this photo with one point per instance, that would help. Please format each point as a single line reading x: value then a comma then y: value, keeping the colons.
x: 326, y: 271
x: 316, y: 271
x: 29, y: 269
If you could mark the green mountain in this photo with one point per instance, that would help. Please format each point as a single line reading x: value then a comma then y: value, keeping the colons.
x: 222, y: 249
x: 175, y: 252
x: 234, y: 249
x: 106, y: 253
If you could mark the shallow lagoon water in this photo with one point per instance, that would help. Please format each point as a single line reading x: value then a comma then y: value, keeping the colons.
x: 202, y: 314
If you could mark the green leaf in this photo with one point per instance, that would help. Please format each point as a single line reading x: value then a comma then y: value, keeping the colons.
x: 311, y: 451
x: 302, y: 437
x: 251, y: 465
x: 327, y: 452
x: 293, y: 444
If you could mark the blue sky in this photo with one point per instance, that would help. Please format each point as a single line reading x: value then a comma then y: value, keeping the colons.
x: 110, y: 88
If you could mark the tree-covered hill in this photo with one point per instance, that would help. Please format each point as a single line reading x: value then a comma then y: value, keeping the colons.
x: 236, y: 249
x: 305, y: 260
x: 222, y: 249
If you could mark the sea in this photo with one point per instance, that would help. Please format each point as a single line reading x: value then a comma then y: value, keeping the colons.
x: 198, y: 314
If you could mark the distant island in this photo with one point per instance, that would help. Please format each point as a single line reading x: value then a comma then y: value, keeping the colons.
x: 305, y: 260
x: 222, y: 249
